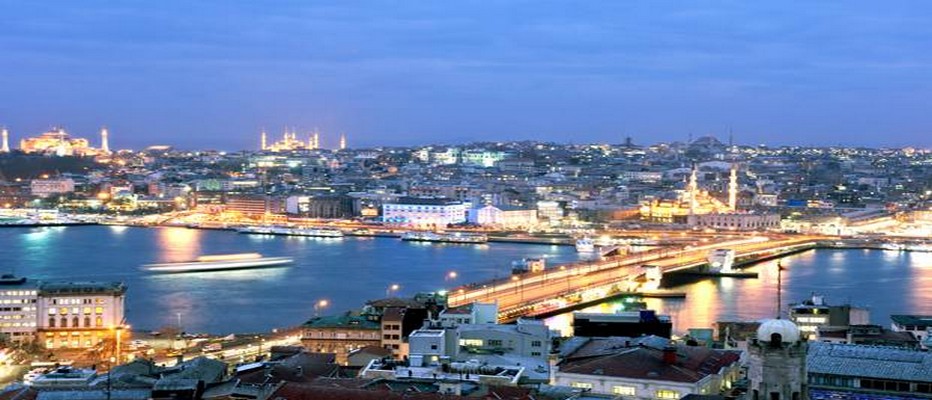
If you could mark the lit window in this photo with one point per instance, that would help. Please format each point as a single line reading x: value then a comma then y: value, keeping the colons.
x: 623, y: 390
x: 99, y: 310
x: 668, y: 394
x: 63, y: 310
x: 581, y: 385
x: 87, y: 310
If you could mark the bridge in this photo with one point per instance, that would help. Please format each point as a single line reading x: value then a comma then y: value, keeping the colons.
x: 567, y: 286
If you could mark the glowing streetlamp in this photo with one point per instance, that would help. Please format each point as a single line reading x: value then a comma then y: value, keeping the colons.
x: 451, y: 276
x: 392, y: 289
x: 319, y: 305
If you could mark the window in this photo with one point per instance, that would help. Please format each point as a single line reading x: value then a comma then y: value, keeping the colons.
x: 622, y: 390
x: 668, y: 394
x: 433, y: 347
x: 64, y: 322
x: 51, y: 322
x: 99, y: 322
x: 471, y: 342
x: 535, y: 354
x: 87, y: 322
x: 74, y: 322
x: 581, y: 385
x: 87, y: 310
x: 535, y: 343
x: 99, y: 310
x: 386, y: 337
x: 495, y: 342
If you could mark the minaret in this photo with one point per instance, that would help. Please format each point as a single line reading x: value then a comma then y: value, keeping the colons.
x: 104, y: 140
x: 733, y: 189
x: 692, y: 188
x: 262, y: 140
x: 342, y: 141
x: 316, y: 139
x: 6, y: 142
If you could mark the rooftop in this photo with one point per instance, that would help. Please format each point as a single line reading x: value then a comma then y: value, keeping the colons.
x: 342, y: 321
x: 869, y: 361
x: 922, y: 321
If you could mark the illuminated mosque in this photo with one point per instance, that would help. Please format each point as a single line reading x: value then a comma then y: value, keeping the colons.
x: 691, y: 201
x: 58, y: 142
x: 290, y: 142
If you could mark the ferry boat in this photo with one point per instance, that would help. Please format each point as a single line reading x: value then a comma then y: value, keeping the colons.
x: 438, y: 237
x: 585, y: 245
x: 721, y: 260
x: 526, y: 265
x: 286, y: 231
x: 222, y: 262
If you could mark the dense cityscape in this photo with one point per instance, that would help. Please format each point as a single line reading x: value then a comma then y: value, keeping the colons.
x: 641, y: 217
x: 490, y: 200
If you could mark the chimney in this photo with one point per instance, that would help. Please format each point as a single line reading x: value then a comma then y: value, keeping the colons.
x: 669, y: 355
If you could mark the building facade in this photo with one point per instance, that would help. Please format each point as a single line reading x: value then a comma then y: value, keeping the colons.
x: 49, y: 187
x: 340, y: 334
x: 424, y: 212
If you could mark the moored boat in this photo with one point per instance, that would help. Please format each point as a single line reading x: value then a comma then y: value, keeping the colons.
x: 437, y: 237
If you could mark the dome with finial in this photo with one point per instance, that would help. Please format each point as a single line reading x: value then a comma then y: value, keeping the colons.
x: 788, y: 331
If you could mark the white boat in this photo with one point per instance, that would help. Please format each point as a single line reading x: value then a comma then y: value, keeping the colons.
x: 721, y: 260
x: 287, y: 231
x: 585, y: 245
x: 437, y: 237
x: 221, y: 263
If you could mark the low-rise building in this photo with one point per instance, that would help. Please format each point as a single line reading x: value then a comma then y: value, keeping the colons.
x: 735, y: 221
x: 504, y: 217
x: 646, y: 368
x: 919, y: 326
x: 851, y: 371
x: 52, y: 186
x: 340, y: 335
x: 424, y: 212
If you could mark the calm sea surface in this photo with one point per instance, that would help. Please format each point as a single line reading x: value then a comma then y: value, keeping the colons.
x: 348, y: 271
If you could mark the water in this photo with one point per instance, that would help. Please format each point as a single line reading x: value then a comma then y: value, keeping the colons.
x: 346, y: 272
x: 349, y: 271
x: 886, y: 282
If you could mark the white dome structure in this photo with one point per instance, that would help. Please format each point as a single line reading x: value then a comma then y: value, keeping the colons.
x: 788, y: 331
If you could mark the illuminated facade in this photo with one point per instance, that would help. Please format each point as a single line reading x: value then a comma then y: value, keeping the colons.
x: 60, y: 314
x: 5, y: 147
x: 424, y: 212
x: 60, y: 143
x: 48, y: 187
x: 79, y: 314
x: 691, y: 201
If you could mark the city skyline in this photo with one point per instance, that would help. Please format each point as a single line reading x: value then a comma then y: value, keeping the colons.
x: 214, y: 74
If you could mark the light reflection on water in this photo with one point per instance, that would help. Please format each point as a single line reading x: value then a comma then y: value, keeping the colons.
x: 886, y: 282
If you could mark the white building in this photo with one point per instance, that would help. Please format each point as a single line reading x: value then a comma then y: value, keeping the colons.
x: 18, y: 302
x: 550, y: 210
x: 60, y: 314
x: 505, y: 217
x: 526, y: 338
x: 645, y: 368
x: 475, y: 313
x: 424, y: 212
x: 79, y: 314
x: 48, y: 187
x: 481, y: 158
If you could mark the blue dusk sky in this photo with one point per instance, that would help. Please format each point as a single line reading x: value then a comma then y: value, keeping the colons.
x: 211, y: 74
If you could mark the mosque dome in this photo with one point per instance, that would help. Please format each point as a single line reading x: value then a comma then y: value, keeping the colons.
x: 787, y: 330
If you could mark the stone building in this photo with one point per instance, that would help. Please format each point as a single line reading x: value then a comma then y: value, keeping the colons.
x: 777, y: 362
x: 340, y: 335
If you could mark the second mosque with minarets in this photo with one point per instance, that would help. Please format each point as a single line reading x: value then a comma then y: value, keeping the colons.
x: 290, y: 141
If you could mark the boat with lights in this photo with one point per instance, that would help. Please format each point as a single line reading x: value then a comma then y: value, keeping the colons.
x: 222, y: 262
x: 453, y: 237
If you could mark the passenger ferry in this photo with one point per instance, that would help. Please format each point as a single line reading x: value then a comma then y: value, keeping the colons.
x: 221, y: 263
x: 721, y: 260
x: 585, y: 245
x: 286, y: 231
x: 438, y: 237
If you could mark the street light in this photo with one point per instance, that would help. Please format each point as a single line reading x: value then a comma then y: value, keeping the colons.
x: 451, y: 276
x: 319, y: 305
x: 392, y: 289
